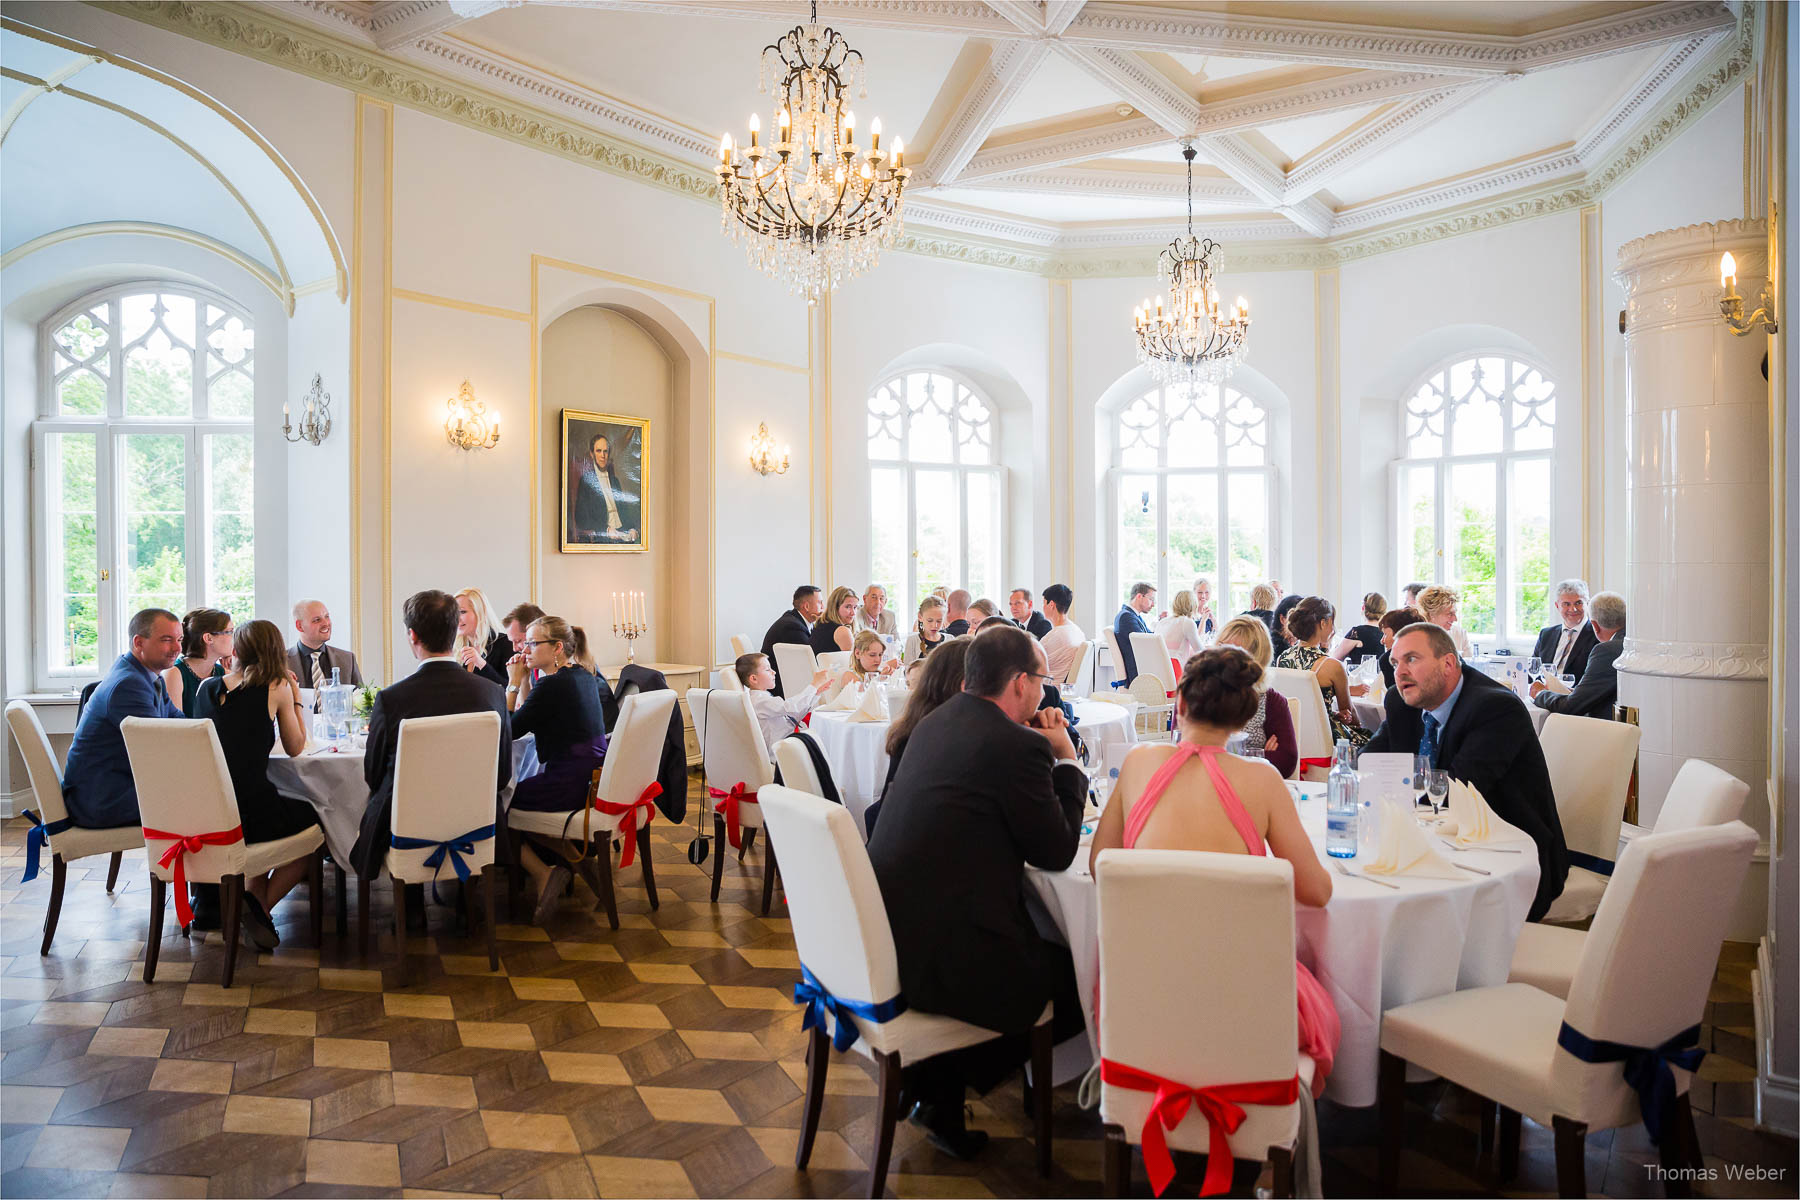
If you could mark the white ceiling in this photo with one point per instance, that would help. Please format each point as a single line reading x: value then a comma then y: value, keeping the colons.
x: 1060, y: 121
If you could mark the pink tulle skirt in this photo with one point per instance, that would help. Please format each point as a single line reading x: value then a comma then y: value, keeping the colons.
x: 1320, y: 1030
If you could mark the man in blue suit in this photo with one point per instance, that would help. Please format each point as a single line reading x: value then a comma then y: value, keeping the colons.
x: 97, y: 783
x: 1131, y: 620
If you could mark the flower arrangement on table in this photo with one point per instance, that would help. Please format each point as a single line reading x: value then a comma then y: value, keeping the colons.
x: 363, y: 703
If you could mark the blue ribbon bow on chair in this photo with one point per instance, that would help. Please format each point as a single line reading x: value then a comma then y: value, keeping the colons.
x: 454, y: 847
x: 811, y: 993
x: 38, y: 838
x: 1589, y: 862
x: 1647, y: 1069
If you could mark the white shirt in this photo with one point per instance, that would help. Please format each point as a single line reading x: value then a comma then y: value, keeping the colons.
x: 1460, y: 638
x: 1061, y: 644
x: 613, y: 524
x: 1181, y: 636
x: 779, y: 716
x: 1565, y: 647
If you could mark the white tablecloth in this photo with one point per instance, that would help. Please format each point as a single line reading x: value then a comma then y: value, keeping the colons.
x: 857, y: 750
x: 333, y: 784
x: 1372, y: 947
x: 1369, y: 714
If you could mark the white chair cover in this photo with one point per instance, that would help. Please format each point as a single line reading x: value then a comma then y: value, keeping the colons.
x: 795, y: 665
x: 1153, y: 658
x: 1072, y: 678
x: 740, y: 645
x: 797, y: 770
x: 731, y: 747
x: 1118, y: 659
x: 729, y: 681
x: 633, y: 753
x: 1590, y: 763
x: 444, y: 770
x: 1702, y: 794
x: 1312, y: 725
x: 47, y: 793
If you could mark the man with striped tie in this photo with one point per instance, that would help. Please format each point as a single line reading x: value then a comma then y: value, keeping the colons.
x: 312, y: 657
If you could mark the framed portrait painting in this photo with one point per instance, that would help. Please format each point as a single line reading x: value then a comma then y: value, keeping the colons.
x: 605, y: 476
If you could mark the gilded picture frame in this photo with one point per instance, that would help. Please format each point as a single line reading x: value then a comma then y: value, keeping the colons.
x: 604, y: 472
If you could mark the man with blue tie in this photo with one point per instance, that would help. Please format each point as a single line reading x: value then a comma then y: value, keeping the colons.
x: 1476, y: 729
x: 97, y: 783
x: 1131, y: 620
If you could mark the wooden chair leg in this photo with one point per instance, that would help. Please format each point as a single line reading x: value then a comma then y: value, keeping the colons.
x: 1043, y: 1049
x: 343, y: 900
x: 1115, y: 1170
x: 607, y: 898
x: 112, y: 869
x: 1673, y: 1154
x: 231, y: 896
x: 643, y: 841
x: 818, y: 1061
x: 1571, y: 1155
x: 746, y: 839
x: 588, y: 868
x: 1690, y: 1136
x: 770, y: 869
x: 1390, y: 1095
x: 490, y: 879
x: 889, y: 1090
x: 1484, y: 1134
x: 59, y: 879
x: 400, y: 929
x: 362, y: 916
x: 1277, y: 1177
x: 315, y: 890
x: 1506, y: 1158
x: 468, y: 902
x: 159, y: 895
x: 719, y: 844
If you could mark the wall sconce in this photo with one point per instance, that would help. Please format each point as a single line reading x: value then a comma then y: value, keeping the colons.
x: 315, y: 417
x: 762, y: 453
x: 1731, y: 305
x: 468, y: 425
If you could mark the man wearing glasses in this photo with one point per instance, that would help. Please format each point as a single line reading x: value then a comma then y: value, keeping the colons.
x: 1000, y: 788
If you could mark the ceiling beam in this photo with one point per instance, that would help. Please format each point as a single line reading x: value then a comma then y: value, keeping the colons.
x: 1314, y: 174
x: 967, y: 18
x: 1022, y: 13
x: 1007, y: 69
x: 396, y: 24
x: 1311, y: 215
x: 1061, y: 149
x: 1127, y: 184
x: 1130, y: 26
x: 1670, y: 72
x: 1058, y: 14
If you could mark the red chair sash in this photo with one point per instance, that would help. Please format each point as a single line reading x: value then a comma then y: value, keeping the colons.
x: 628, y: 818
x: 175, y: 857
x: 1313, y: 762
x: 728, y: 804
x: 1221, y: 1105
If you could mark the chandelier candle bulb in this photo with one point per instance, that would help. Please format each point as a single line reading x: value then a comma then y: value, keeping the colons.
x: 755, y: 129
x: 1728, y: 272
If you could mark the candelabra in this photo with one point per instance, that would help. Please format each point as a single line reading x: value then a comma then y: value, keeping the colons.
x: 467, y: 424
x: 763, y: 458
x: 631, y: 629
x: 1731, y: 305
x: 315, y: 417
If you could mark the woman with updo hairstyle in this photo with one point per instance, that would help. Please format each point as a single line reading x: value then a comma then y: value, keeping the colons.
x: 1362, y: 641
x: 1278, y: 632
x: 205, y: 647
x: 1271, y: 730
x: 1310, y: 625
x: 1192, y: 795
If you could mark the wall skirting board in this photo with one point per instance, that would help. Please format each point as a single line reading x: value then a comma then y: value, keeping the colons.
x: 1777, y: 1095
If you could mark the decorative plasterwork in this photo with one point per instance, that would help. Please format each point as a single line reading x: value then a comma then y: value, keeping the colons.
x: 1695, y: 660
x: 396, y: 23
x: 1316, y: 173
x: 1531, y: 172
x: 1006, y: 71
x: 1140, y: 185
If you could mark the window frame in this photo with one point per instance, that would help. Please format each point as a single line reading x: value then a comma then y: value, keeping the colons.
x: 108, y: 429
x: 1503, y: 462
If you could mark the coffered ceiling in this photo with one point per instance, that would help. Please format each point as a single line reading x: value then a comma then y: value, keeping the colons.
x: 1057, y: 123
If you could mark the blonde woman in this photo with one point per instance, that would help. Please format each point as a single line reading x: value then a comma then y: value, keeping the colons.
x: 1179, y: 631
x: 1271, y: 730
x: 1363, y: 641
x: 836, y: 627
x: 482, y: 647
x: 1439, y: 606
x: 1203, y: 606
x: 1262, y: 605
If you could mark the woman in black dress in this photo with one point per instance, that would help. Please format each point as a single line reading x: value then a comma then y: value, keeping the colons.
x: 482, y: 647
x: 1362, y: 641
x: 836, y: 627
x: 246, y: 706
x: 205, y: 645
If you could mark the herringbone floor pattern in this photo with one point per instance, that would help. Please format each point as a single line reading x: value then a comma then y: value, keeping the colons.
x: 661, y: 1060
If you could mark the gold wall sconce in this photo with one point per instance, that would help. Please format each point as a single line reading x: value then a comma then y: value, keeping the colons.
x: 763, y: 458
x: 1731, y: 305
x: 315, y: 417
x: 469, y: 425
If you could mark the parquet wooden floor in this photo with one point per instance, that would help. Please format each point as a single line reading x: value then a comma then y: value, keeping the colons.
x: 665, y: 1059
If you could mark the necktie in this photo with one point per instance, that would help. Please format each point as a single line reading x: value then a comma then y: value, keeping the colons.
x: 1562, y: 651
x: 162, y: 694
x: 1428, y: 744
x: 318, y: 674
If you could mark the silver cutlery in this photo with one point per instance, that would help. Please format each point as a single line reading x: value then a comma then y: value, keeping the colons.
x: 1467, y: 867
x: 1489, y: 849
x: 1343, y: 870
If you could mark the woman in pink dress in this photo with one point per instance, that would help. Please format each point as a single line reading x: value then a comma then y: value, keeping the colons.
x: 1191, y: 795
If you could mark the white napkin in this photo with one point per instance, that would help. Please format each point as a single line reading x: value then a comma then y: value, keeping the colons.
x: 1405, y: 850
x: 1472, y: 820
x: 874, y: 706
x: 1553, y: 684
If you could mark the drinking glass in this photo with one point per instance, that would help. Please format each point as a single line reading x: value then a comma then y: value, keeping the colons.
x: 1534, y: 667
x: 1439, y: 789
x: 1421, y: 774
x: 1568, y: 680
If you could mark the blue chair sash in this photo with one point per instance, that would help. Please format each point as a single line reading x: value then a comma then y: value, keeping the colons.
x: 811, y: 993
x: 1647, y: 1069
x: 1589, y: 862
x: 454, y: 848
x: 38, y: 838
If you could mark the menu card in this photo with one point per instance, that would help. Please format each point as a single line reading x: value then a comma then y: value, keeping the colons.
x: 1386, y: 777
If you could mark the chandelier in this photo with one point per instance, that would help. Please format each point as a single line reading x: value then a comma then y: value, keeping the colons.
x: 1191, y: 341
x: 814, y: 209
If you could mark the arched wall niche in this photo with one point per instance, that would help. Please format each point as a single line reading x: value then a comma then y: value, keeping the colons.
x: 617, y: 349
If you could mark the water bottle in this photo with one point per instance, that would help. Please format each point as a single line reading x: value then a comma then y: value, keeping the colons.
x: 1341, y: 811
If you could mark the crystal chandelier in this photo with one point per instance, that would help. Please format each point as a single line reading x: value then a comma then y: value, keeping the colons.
x: 1191, y: 341
x: 814, y: 209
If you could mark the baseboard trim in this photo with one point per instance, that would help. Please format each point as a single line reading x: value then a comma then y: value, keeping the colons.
x: 1777, y: 1095
x: 12, y: 803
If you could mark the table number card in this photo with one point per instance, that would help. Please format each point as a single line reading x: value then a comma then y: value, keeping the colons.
x: 1386, y: 777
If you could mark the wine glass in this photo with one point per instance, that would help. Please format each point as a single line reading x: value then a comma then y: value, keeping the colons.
x: 1534, y: 667
x: 1568, y: 680
x: 1439, y: 790
x: 1421, y: 773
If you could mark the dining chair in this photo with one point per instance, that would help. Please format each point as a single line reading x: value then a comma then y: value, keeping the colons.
x: 621, y: 800
x: 836, y: 661
x: 193, y: 833
x: 1177, y: 1024
x: 1154, y: 720
x: 1153, y: 658
x: 850, y: 977
x: 728, y: 679
x: 1590, y: 762
x: 795, y: 665
x: 1072, y: 678
x: 741, y: 645
x: 1702, y: 795
x: 1634, y: 1010
x: 442, y: 821
x: 1312, y: 724
x: 51, y: 826
x: 1118, y: 660
x: 797, y: 768
x: 736, y: 762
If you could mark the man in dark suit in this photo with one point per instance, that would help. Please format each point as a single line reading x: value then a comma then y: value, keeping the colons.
x: 1564, y: 648
x: 1129, y: 621
x: 794, y: 627
x: 1598, y: 691
x: 438, y: 688
x: 1476, y: 729
x: 312, y: 657
x: 97, y: 783
x: 999, y: 789
x: 1024, y: 616
x: 956, y: 615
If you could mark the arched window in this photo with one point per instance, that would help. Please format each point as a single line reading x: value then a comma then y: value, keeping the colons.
x: 1473, y: 490
x: 935, y: 489
x: 1193, y: 486
x: 144, y: 468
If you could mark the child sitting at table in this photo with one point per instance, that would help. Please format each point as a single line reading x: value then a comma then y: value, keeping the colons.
x: 928, y: 633
x: 866, y: 663
x: 776, y: 715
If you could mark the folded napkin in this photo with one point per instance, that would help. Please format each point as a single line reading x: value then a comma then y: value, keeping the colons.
x: 874, y: 706
x: 846, y: 699
x: 1554, y: 684
x: 1405, y: 850
x: 1473, y: 822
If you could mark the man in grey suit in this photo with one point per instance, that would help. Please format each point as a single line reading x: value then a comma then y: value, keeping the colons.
x: 1598, y: 691
x: 312, y: 657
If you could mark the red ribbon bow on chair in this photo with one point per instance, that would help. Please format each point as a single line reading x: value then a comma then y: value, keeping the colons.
x: 185, y: 844
x: 1313, y: 762
x: 628, y: 820
x: 1219, y: 1104
x: 736, y: 796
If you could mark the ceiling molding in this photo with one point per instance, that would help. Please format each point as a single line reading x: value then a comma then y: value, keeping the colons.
x: 1059, y: 13
x: 1651, y: 87
x: 1007, y: 69
x: 1025, y: 15
x: 1531, y: 172
x: 1106, y: 183
x: 1316, y: 173
x: 1311, y: 214
x: 397, y: 23
x: 1062, y: 149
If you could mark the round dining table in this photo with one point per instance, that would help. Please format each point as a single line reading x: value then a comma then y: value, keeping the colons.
x: 1373, y: 946
x: 857, y: 750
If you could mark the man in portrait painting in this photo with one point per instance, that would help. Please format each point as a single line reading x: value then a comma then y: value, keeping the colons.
x: 603, y: 511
